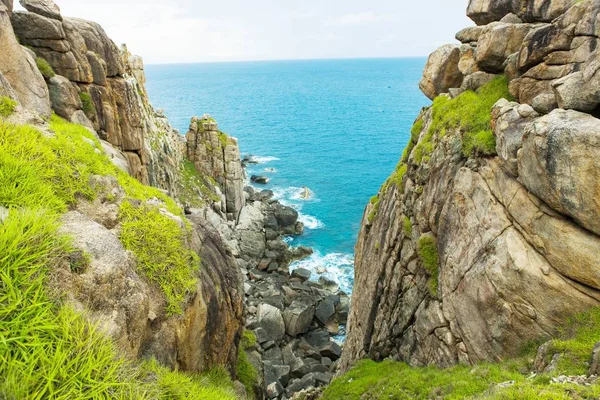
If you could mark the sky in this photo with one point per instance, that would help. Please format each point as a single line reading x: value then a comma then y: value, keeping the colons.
x: 186, y: 31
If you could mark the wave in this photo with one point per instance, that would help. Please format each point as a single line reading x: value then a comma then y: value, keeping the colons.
x: 310, y: 222
x: 294, y: 193
x: 263, y: 159
x: 338, y: 267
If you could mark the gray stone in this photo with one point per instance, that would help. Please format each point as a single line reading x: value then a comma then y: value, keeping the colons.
x: 64, y: 96
x: 276, y: 373
x: 274, y: 390
x: 298, y: 385
x: 595, y: 361
x: 302, y: 274
x: 298, y: 317
x: 332, y: 350
x: 46, y: 8
x: 271, y: 320
x: 441, y: 71
x: 325, y: 310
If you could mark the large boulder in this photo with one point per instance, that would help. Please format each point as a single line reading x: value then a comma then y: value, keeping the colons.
x: 499, y: 41
x: 20, y: 71
x: 483, y: 12
x: 271, y: 320
x: 64, y: 96
x: 298, y: 317
x: 441, y: 71
x: 580, y: 90
x: 558, y: 163
x: 46, y: 8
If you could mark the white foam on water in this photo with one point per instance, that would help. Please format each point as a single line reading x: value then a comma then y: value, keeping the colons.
x: 270, y: 170
x: 263, y: 159
x: 338, y: 267
x: 310, y: 222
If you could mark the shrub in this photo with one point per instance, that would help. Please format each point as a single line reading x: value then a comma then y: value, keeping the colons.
x: 7, y: 106
x: 427, y: 249
x: 88, y: 104
x: 407, y: 226
x: 45, y: 68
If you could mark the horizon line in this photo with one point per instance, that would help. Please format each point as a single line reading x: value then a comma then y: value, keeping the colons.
x: 283, y: 60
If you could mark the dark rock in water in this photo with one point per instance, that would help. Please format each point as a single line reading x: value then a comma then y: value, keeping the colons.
x: 263, y: 180
x: 329, y: 284
x: 325, y: 310
x: 302, y: 274
x: 286, y: 218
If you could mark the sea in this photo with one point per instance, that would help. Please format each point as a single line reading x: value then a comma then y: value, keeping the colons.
x: 335, y: 127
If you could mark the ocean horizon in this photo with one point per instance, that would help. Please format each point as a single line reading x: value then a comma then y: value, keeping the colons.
x: 334, y: 126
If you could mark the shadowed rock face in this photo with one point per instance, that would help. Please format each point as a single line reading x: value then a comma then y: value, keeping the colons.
x: 516, y: 234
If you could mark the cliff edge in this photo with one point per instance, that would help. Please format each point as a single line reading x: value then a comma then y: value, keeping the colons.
x: 485, y: 237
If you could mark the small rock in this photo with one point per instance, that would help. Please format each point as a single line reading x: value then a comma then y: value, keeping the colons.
x: 263, y: 180
x: 274, y: 390
x: 329, y: 284
x: 331, y: 350
x: 302, y: 274
x: 325, y: 310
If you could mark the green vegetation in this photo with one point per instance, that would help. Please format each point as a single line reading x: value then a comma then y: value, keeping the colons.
x: 194, y: 187
x: 45, y: 68
x: 407, y: 226
x: 394, y: 380
x: 427, y: 249
x: 159, y: 244
x: 374, y: 211
x: 173, y: 385
x: 470, y: 112
x: 415, y: 132
x: 47, y: 350
x: 224, y: 139
x: 88, y: 104
x: 246, y: 373
x: 7, y: 106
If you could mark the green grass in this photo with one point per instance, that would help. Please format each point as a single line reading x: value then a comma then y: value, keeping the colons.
x: 471, y: 113
x: 194, y: 189
x: 428, y: 253
x: 7, y: 106
x: 407, y: 226
x: 224, y: 139
x: 47, y: 350
x: 159, y: 243
x: 88, y: 104
x: 246, y: 373
x: 45, y: 68
x: 396, y: 380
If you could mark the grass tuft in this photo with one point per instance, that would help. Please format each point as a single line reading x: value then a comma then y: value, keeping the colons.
x: 45, y: 68
x: 428, y: 253
x: 246, y: 373
x: 159, y: 243
x: 88, y: 104
x: 7, y: 106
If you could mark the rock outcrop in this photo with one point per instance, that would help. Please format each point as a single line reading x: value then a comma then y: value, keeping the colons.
x: 217, y: 155
x: 19, y: 75
x: 96, y: 85
x: 467, y: 257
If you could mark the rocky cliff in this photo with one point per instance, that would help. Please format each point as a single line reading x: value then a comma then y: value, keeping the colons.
x: 484, y: 238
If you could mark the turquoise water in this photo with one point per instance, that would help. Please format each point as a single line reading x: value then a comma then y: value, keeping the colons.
x: 337, y: 127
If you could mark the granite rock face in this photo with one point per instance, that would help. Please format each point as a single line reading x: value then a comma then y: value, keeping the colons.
x: 217, y: 155
x: 131, y: 311
x: 514, y: 234
x: 19, y: 76
x: 97, y: 85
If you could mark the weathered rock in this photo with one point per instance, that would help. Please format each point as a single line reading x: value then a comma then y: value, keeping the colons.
x: 271, y: 320
x: 298, y: 317
x: 217, y: 155
x: 274, y: 390
x: 557, y: 164
x: 483, y: 12
x: 302, y: 274
x: 260, y: 179
x: 64, y: 96
x: 324, y: 311
x: 470, y: 34
x: 19, y: 71
x: 441, y: 71
x: 46, y: 8
x: 298, y: 385
x: 499, y: 41
x: 595, y: 361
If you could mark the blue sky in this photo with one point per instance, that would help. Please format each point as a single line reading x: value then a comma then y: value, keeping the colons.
x: 236, y: 30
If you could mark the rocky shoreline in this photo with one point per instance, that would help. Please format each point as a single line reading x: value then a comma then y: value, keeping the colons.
x: 293, y: 318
